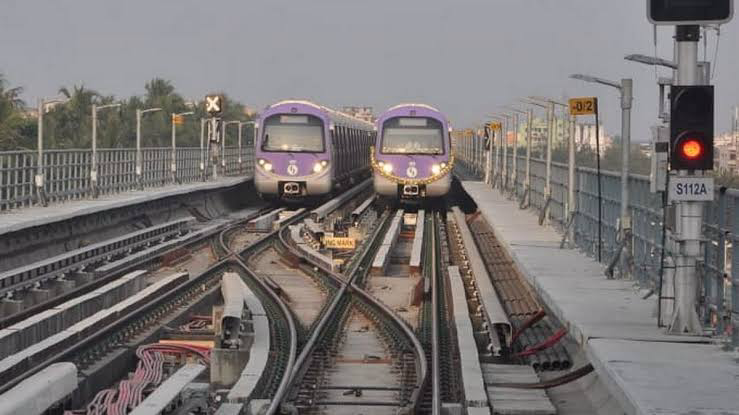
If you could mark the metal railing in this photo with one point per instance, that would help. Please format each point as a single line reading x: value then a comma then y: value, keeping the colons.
x: 67, y: 173
x: 720, y: 227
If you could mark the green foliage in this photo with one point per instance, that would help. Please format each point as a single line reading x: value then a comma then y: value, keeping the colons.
x: 14, y: 126
x: 610, y: 159
x: 69, y: 125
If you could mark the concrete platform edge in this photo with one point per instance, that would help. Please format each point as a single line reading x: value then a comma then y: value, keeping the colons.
x: 611, y: 379
x: 119, y: 200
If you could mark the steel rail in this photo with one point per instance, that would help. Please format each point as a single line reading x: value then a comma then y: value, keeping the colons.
x: 98, y: 281
x: 239, y: 257
x: 351, y: 287
x: 106, y: 332
x: 435, y: 370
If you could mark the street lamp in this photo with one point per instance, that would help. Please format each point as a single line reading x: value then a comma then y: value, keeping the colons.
x: 570, y: 205
x: 504, y: 141
x: 651, y: 60
x: 175, y: 119
x: 498, y: 161
x: 514, y: 173
x: 223, y: 143
x: 39, y: 179
x: 625, y: 88
x: 241, y: 124
x: 94, y: 169
x: 139, y: 168
x: 527, y: 180
x: 549, y: 106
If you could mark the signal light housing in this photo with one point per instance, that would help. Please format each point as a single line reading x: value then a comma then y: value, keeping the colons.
x: 689, y: 12
x: 691, y: 127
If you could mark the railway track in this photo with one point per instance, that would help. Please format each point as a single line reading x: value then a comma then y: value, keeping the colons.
x: 97, y: 343
x: 359, y: 340
x: 331, y: 358
x: 289, y: 327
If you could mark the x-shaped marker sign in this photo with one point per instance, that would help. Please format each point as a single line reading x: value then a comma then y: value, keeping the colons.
x: 213, y: 104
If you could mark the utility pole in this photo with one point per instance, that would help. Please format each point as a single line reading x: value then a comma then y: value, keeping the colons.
x: 202, y: 148
x: 516, y: 113
x: 39, y: 179
x: 571, y: 202
x: 94, y: 168
x: 625, y: 88
x: 175, y: 120
x: 529, y: 134
x: 139, y: 159
x: 504, y: 142
x: 550, y: 139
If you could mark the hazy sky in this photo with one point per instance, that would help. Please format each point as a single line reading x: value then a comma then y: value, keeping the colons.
x: 466, y: 57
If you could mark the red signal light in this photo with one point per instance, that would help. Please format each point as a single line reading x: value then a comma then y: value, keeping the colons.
x: 692, y: 149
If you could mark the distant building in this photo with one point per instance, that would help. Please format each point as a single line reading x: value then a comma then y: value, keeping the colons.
x: 584, y: 134
x: 724, y: 158
x: 363, y: 113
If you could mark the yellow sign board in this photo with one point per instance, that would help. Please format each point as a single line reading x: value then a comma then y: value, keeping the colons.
x: 178, y: 119
x: 496, y: 125
x: 583, y: 106
x: 339, y: 243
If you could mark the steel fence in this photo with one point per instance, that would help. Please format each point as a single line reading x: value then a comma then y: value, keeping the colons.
x: 67, y: 173
x: 719, y: 302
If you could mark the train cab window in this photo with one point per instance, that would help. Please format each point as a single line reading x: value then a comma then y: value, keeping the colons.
x: 412, y: 135
x: 295, y: 133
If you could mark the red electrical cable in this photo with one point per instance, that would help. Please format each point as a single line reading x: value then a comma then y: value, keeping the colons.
x: 551, y: 341
x: 149, y: 372
x: 540, y: 314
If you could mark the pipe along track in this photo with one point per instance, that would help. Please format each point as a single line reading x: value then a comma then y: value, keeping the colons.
x: 351, y: 298
x: 145, y: 322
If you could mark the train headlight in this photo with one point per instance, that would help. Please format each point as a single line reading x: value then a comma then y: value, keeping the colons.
x: 435, y: 169
x: 267, y: 166
x: 387, y: 167
x: 318, y: 167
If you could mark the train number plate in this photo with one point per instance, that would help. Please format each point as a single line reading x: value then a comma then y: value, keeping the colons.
x: 691, y: 189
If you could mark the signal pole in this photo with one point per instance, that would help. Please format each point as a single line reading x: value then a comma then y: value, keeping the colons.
x: 688, y: 214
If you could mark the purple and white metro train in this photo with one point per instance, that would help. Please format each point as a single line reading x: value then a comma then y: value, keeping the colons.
x: 305, y: 150
x: 412, y: 159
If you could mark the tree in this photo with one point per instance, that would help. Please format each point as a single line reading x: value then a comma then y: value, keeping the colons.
x: 69, y: 125
x: 15, y: 127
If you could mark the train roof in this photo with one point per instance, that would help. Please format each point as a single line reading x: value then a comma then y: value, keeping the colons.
x: 424, y: 108
x: 413, y: 104
x: 335, y: 116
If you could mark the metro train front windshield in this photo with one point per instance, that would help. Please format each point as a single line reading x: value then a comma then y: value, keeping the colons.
x: 412, y: 135
x: 293, y: 134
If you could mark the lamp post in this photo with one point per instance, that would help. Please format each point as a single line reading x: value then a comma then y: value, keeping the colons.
x: 173, y: 166
x: 514, y: 157
x: 241, y: 125
x: 548, y: 157
x: 504, y: 141
x: 203, y: 122
x: 39, y: 179
x: 625, y: 88
x: 549, y: 104
x: 527, y: 178
x: 139, y: 161
x: 94, y: 168
x: 223, y: 142
x: 497, y: 165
